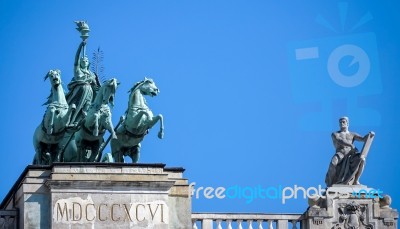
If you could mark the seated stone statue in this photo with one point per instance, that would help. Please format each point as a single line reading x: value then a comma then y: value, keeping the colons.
x: 347, y: 164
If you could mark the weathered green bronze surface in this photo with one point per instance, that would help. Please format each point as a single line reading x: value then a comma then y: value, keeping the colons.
x: 74, y: 124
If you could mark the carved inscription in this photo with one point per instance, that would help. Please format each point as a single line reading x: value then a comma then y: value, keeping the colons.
x: 77, y: 210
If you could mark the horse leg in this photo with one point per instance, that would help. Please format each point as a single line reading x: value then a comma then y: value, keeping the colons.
x: 135, y: 153
x: 70, y: 149
x: 108, y: 158
x: 55, y: 153
x: 95, y: 151
x: 50, y: 123
x: 135, y: 121
x: 53, y: 150
x: 116, y: 150
x: 161, y: 131
x: 49, y: 158
x: 110, y: 127
x: 118, y: 156
x: 38, y: 155
x: 153, y: 121
x: 67, y: 117
x: 80, y: 150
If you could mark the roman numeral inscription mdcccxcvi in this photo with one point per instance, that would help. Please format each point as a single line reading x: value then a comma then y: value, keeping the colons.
x: 72, y: 211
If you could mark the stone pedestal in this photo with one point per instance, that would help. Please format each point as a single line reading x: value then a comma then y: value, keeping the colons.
x: 351, y: 206
x: 101, y: 195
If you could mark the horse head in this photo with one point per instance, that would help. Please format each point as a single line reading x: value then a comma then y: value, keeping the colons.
x: 56, y: 92
x: 55, y: 77
x: 146, y: 87
x: 107, y: 91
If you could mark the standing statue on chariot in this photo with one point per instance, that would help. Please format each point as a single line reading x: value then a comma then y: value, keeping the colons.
x: 84, y: 84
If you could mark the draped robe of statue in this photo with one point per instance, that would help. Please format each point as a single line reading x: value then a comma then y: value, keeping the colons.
x: 82, y: 87
x: 349, y: 163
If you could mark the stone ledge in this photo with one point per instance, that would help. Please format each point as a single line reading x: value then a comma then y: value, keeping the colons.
x: 108, y: 185
x: 109, y: 177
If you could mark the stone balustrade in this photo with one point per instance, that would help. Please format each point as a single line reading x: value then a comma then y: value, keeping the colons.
x: 247, y: 221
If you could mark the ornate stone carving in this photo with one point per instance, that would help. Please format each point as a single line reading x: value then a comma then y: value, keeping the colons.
x: 353, y: 216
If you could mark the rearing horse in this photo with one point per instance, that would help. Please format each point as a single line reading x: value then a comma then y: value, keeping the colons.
x: 51, y: 130
x: 137, y: 122
x: 98, y: 119
x: 85, y: 145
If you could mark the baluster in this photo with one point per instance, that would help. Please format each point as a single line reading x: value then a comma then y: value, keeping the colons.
x: 270, y: 224
x: 282, y: 224
x: 260, y: 224
x: 219, y: 226
x: 239, y: 223
x: 294, y: 224
x: 229, y: 224
x: 250, y: 224
x: 194, y: 224
x: 207, y: 224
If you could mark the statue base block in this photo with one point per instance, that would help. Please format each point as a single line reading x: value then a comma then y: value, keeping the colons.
x: 101, y: 195
x: 351, y: 206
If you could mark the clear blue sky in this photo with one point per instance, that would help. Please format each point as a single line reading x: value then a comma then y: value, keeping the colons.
x: 247, y: 87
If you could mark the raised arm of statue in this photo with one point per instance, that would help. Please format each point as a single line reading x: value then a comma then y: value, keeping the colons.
x: 78, y: 52
x: 81, y: 66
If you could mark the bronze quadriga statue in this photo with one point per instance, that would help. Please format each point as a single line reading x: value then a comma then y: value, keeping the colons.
x: 73, y: 127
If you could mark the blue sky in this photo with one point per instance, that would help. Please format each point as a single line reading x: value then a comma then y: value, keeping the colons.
x: 240, y: 107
